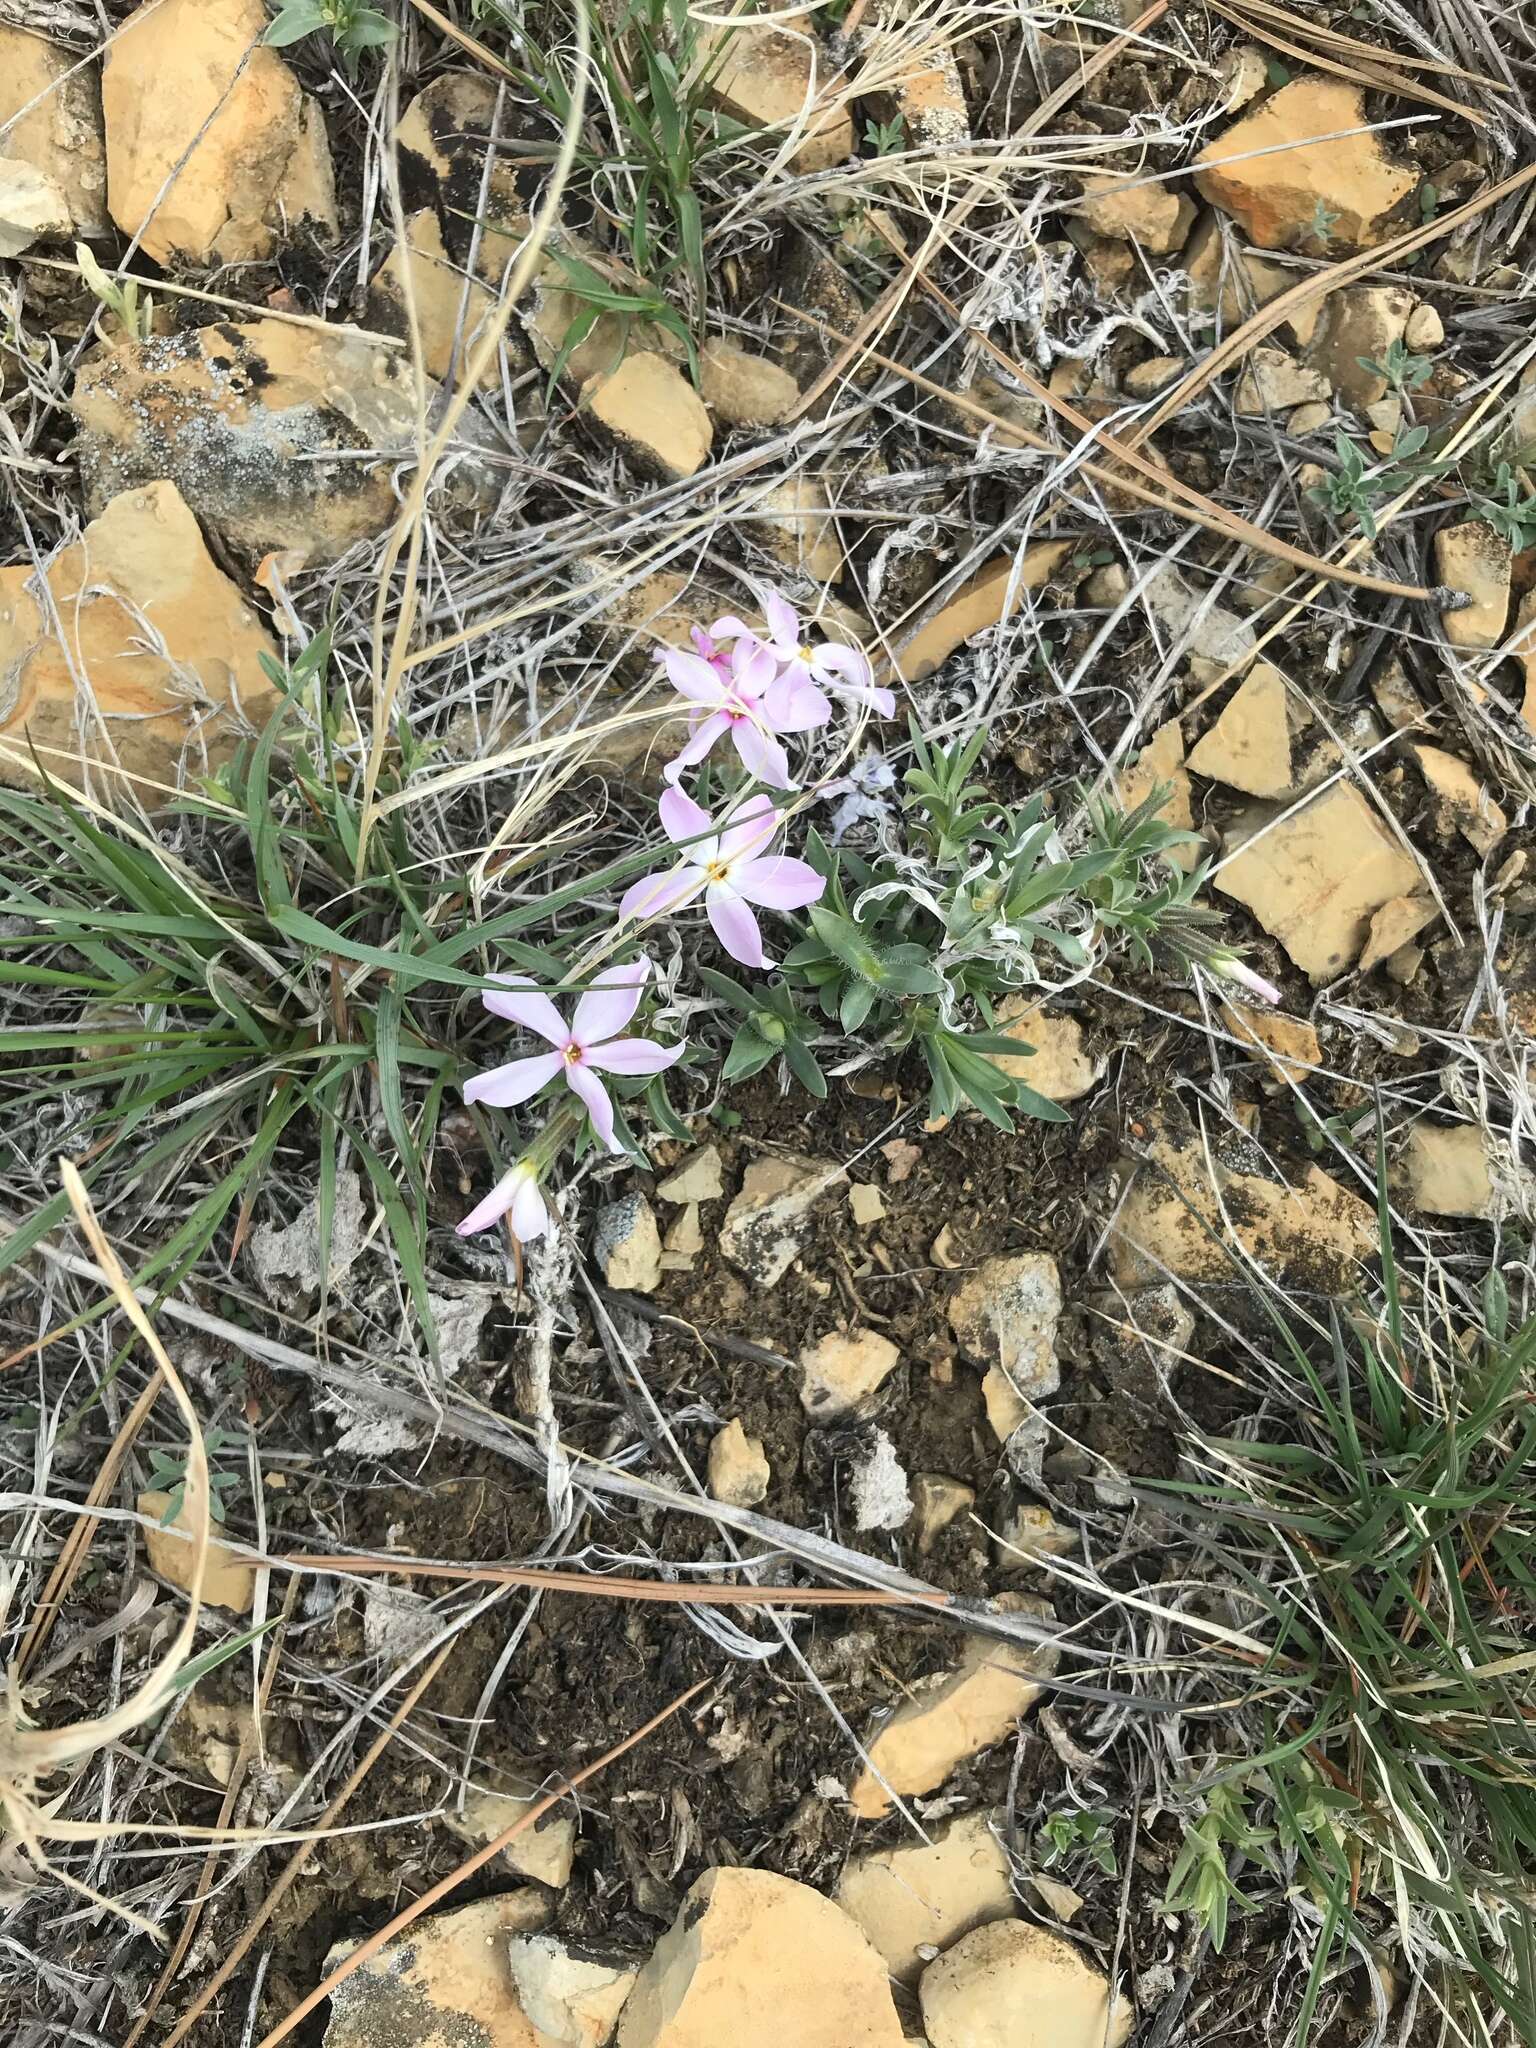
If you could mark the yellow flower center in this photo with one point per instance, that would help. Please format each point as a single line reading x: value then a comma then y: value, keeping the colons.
x: 718, y: 870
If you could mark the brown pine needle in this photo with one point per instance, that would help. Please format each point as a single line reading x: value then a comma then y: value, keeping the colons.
x: 610, y: 1586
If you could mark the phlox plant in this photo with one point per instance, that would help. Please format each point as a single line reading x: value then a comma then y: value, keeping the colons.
x: 949, y: 903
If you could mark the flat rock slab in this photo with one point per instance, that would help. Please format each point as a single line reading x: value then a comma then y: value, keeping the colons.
x: 754, y: 1960
x: 277, y: 436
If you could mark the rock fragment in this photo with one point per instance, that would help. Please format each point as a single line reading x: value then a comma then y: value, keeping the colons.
x: 1004, y: 1315
x: 927, y: 1896
x: 545, y: 1851
x: 878, y: 1492
x: 145, y: 656
x: 866, y: 1204
x: 1181, y: 1211
x: 1314, y: 879
x: 953, y: 1716
x: 1393, y: 926
x: 1460, y: 801
x: 1030, y: 1533
x: 1057, y: 1066
x: 938, y: 1500
x: 1448, y: 1170
x: 1249, y: 746
x: 755, y: 1960
x: 1425, y: 329
x: 772, y: 77
x: 59, y: 133
x: 553, y: 311
x: 223, y: 150
x: 794, y: 522
x: 451, y: 306
x: 683, y: 1242
x: 990, y: 596
x: 698, y: 1178
x: 627, y: 1245
x: 1160, y: 765
x: 767, y: 1223
x: 1357, y: 327
x: 1145, y: 380
x: 1290, y: 1043
x: 1273, y: 381
x: 33, y: 207
x: 1128, y: 208
x: 1226, y: 281
x: 739, y: 1472
x: 568, y: 2000
x: 930, y: 98
x: 258, y: 424
x: 446, y: 1982
x: 742, y: 389
x: 1010, y: 1985
x: 1471, y: 557
x: 227, y: 1580
x: 843, y: 1372
x: 1303, y: 171
x: 654, y: 414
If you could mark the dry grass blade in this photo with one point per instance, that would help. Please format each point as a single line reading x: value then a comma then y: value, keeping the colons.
x: 1317, y: 32
x: 367, y: 1949
x: 406, y: 536
x: 296, y: 1865
x: 193, y: 1914
x: 1205, y: 511
x: 891, y: 300
x: 1204, y: 514
x: 1264, y: 322
x: 30, y: 1754
x: 1359, y: 69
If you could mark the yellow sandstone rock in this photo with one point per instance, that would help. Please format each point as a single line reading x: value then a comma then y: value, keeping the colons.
x: 653, y: 412
x: 1249, y: 746
x: 145, y: 656
x: 1314, y: 879
x: 773, y: 76
x: 929, y: 1894
x: 227, y: 1582
x: 446, y: 1982
x: 1473, y: 558
x: 754, y: 1960
x: 989, y: 597
x: 739, y: 1473
x: 1130, y: 207
x: 193, y: 98
x: 1057, y: 1068
x: 259, y: 425
x: 743, y: 389
x: 955, y: 1715
x: 1009, y: 1985
x: 1161, y: 764
x: 60, y: 133
x: 844, y: 1372
x: 1177, y: 1219
x: 1303, y: 171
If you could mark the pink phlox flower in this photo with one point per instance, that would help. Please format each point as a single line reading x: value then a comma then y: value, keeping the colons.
x: 1232, y: 969
x: 806, y: 673
x: 729, y: 867
x: 589, y: 1046
x: 726, y: 696
x: 516, y: 1195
